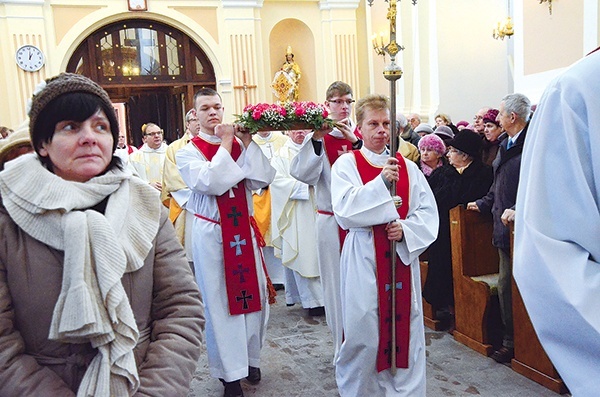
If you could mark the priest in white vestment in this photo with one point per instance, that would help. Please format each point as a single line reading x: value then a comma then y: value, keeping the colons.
x: 269, y: 142
x: 148, y: 162
x: 557, y: 247
x: 175, y: 192
x: 233, y: 341
x: 294, y: 229
x: 312, y: 165
x: 359, y: 207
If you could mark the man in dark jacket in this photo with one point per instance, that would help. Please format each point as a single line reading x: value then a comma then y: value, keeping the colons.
x: 513, y: 117
x: 406, y: 131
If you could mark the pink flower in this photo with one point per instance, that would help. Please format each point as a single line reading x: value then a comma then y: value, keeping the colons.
x: 256, y: 114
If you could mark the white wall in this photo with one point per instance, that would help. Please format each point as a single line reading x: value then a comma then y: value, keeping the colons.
x: 473, y: 68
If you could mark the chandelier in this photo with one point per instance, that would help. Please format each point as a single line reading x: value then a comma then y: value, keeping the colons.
x: 504, y: 29
x: 549, y: 5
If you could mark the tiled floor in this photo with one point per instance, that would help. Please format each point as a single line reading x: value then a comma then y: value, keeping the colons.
x: 296, y: 361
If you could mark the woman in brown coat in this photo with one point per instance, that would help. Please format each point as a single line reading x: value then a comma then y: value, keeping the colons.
x: 96, y: 296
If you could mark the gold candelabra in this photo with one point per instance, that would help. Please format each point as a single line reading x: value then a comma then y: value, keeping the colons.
x: 549, y: 5
x: 504, y: 29
x: 378, y: 44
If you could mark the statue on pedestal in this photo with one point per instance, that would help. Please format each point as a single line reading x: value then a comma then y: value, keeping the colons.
x: 286, y: 81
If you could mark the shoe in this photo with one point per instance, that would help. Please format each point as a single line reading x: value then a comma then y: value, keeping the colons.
x: 503, y: 355
x: 290, y: 304
x: 254, y: 376
x: 316, y: 311
x: 278, y: 287
x: 233, y: 389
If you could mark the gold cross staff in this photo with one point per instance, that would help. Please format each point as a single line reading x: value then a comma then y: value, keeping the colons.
x: 245, y: 86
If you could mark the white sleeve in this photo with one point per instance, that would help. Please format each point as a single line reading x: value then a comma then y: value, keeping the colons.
x: 557, y: 253
x: 306, y: 166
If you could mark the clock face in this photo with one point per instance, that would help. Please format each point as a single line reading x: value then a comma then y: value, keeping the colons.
x: 30, y: 58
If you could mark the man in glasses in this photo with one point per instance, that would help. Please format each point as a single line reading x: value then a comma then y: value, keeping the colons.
x: 312, y: 165
x: 148, y: 162
x: 174, y: 191
x: 478, y: 123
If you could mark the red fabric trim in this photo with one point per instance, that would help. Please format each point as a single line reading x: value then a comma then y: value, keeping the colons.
x: 241, y: 277
x: 206, y: 219
x: 382, y: 247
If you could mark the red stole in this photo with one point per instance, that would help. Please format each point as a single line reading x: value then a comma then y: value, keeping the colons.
x: 241, y: 278
x: 383, y: 261
x: 334, y: 148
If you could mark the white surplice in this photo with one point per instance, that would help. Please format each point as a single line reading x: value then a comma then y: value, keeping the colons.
x: 315, y: 170
x: 270, y: 145
x: 148, y: 163
x: 357, y: 207
x: 233, y: 342
x: 293, y: 230
x: 557, y: 247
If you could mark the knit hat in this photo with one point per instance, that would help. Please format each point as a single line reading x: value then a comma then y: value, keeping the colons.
x: 64, y: 83
x: 432, y: 142
x: 424, y: 127
x: 444, y: 132
x: 490, y: 117
x: 467, y: 141
x: 462, y: 123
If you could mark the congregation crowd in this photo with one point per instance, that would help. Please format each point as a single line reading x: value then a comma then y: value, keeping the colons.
x: 118, y: 264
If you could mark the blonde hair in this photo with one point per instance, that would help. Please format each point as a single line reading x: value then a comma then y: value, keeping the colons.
x: 373, y: 102
x: 445, y: 118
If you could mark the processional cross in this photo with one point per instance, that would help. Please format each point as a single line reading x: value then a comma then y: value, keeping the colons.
x: 245, y: 87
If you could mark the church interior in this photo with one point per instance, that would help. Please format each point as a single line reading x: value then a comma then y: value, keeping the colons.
x: 151, y: 55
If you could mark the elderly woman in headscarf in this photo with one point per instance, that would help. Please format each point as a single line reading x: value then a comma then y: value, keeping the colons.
x: 463, y: 179
x: 493, y: 136
x: 432, y: 149
x: 96, y: 296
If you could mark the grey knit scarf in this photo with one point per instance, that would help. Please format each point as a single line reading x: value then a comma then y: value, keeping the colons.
x: 92, y: 305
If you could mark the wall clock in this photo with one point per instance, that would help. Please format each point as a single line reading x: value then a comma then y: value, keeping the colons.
x: 29, y: 58
x: 137, y: 5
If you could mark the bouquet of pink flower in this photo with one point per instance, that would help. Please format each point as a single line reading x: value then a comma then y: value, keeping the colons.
x: 290, y: 116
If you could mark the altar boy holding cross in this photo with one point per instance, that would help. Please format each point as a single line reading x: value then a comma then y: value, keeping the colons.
x: 362, y: 204
x: 221, y: 166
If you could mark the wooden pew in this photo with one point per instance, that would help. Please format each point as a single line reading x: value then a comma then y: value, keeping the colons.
x: 429, y: 318
x: 530, y: 358
x: 477, y: 316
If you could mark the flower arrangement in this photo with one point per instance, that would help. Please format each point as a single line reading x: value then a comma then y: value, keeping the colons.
x: 289, y: 116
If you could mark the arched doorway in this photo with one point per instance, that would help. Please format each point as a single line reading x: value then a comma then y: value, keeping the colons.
x: 151, y: 67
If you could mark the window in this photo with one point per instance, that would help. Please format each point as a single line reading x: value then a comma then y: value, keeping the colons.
x: 141, y: 51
